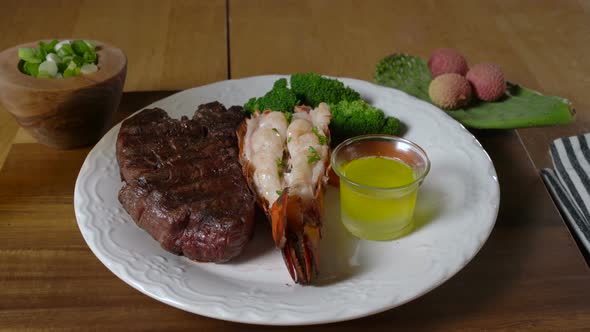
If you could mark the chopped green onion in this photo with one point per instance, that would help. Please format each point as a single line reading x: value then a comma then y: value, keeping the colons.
x: 313, y: 155
x: 52, y: 45
x: 46, y: 48
x: 78, y: 60
x: 279, y: 192
x: 289, y: 139
x: 29, y: 55
x: 80, y: 47
x: 280, y: 163
x: 53, y: 57
x: 90, y: 45
x: 59, y: 59
x: 89, y: 57
x: 43, y: 74
x: 60, y: 44
x: 48, y: 67
x: 61, y: 66
x: 88, y: 68
x: 71, y: 70
x: 65, y: 50
x: 31, y: 68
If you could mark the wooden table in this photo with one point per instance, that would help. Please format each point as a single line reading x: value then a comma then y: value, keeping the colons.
x: 530, y: 274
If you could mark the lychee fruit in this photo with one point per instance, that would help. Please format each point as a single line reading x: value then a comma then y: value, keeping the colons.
x: 487, y: 80
x: 450, y: 91
x: 447, y: 60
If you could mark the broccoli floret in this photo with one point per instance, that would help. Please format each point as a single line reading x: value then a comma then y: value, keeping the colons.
x: 280, y: 98
x: 392, y: 126
x: 353, y: 118
x: 312, y: 89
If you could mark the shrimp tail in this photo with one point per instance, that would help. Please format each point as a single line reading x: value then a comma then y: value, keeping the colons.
x: 278, y: 217
x: 296, y: 232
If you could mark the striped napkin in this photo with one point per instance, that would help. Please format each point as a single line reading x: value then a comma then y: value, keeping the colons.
x: 569, y: 182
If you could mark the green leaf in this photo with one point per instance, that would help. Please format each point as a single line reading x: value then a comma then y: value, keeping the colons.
x: 29, y: 55
x: 31, y: 68
x: 80, y: 47
x: 521, y: 107
x: 404, y: 72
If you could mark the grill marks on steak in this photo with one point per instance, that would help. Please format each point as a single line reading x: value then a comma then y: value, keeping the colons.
x: 183, y: 181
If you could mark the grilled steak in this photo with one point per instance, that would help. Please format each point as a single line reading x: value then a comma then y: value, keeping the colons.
x: 183, y: 181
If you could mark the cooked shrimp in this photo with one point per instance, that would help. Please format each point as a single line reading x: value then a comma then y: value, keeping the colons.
x: 264, y: 150
x: 291, y: 196
x: 321, y: 117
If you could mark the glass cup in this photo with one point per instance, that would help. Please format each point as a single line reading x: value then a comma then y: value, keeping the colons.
x: 379, y: 212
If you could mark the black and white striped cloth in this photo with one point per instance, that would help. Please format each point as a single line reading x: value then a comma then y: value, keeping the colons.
x: 569, y: 182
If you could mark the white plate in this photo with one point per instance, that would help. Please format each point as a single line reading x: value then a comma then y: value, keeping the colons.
x: 455, y: 213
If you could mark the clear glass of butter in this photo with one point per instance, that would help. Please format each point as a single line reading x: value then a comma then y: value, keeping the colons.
x: 379, y: 180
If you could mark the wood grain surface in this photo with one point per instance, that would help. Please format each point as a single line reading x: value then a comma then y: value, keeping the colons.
x: 542, y: 45
x: 529, y: 275
x: 170, y: 44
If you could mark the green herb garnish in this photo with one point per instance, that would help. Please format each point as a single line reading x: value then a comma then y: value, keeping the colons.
x: 321, y: 138
x: 279, y: 192
x: 281, y: 163
x: 289, y: 139
x: 313, y: 155
x: 289, y: 117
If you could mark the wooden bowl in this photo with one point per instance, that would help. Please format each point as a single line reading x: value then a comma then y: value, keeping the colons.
x: 64, y: 113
